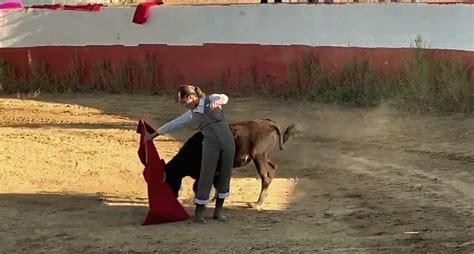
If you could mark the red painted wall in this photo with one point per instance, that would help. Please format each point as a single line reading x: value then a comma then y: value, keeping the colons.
x: 227, y: 63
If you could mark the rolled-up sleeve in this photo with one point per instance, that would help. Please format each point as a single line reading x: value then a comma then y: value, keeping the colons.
x: 219, y: 99
x: 181, y: 120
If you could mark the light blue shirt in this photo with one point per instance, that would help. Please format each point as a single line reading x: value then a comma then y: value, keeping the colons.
x: 217, y: 100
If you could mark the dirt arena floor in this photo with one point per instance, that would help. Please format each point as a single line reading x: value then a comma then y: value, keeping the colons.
x: 357, y: 181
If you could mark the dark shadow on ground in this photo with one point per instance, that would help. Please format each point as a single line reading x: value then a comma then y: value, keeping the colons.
x: 78, y: 222
x: 71, y: 222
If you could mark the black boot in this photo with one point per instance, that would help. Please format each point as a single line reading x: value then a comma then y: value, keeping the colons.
x: 199, y: 214
x: 219, y: 210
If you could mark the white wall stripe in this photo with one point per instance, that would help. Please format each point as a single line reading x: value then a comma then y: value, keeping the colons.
x: 359, y: 25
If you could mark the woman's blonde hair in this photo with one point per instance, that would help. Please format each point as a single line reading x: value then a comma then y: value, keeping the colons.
x: 186, y: 90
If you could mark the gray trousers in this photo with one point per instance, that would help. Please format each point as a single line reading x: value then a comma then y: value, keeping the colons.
x: 218, y: 143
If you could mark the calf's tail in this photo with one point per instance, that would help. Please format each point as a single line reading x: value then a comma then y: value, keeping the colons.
x: 290, y: 131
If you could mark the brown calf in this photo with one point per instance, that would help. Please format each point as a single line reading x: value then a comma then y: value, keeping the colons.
x: 254, y: 140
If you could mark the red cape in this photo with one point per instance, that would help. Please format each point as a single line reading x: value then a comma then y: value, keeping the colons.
x: 164, y: 207
x: 142, y: 12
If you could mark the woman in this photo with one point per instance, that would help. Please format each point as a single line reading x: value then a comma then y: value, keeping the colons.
x: 218, y: 143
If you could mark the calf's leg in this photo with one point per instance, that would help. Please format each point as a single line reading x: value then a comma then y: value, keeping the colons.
x: 271, y: 170
x: 262, y: 166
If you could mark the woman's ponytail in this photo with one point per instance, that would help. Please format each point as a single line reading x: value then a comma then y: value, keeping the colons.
x: 198, y: 91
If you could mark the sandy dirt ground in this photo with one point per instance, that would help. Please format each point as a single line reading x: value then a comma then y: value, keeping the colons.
x: 357, y: 181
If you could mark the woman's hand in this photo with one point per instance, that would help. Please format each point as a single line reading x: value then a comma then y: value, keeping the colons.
x: 217, y: 100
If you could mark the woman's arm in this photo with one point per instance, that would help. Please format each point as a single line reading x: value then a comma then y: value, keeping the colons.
x: 179, y: 121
